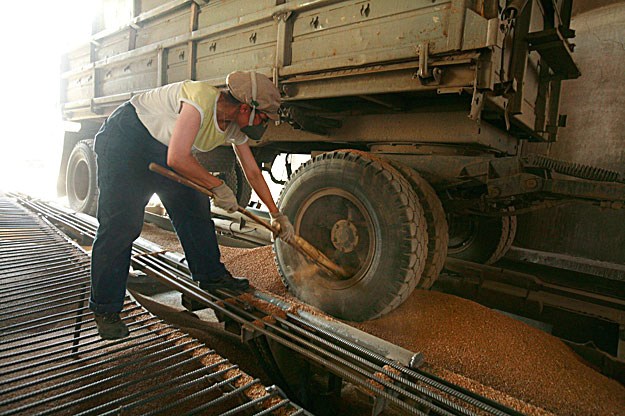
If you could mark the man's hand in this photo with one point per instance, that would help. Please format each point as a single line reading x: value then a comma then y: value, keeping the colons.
x: 224, y: 198
x: 286, y: 229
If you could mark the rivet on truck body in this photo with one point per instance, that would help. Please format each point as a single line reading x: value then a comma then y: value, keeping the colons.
x: 530, y: 183
x: 493, y: 192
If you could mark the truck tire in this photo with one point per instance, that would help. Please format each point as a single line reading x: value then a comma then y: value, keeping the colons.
x: 244, y: 189
x: 503, y: 249
x: 235, y: 179
x: 220, y: 159
x: 361, y: 213
x: 436, y: 219
x: 81, y: 181
x: 481, y: 239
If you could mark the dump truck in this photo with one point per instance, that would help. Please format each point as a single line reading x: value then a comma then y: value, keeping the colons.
x: 414, y: 113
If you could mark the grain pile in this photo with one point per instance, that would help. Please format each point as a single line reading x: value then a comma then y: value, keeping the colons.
x: 482, y: 345
x: 473, y: 346
x: 166, y: 239
x: 257, y: 264
x: 508, y: 355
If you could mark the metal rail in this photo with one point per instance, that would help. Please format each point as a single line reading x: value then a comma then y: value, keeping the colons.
x: 53, y: 361
x: 410, y: 390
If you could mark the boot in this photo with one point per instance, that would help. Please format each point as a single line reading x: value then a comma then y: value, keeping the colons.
x: 110, y: 326
x: 225, y: 281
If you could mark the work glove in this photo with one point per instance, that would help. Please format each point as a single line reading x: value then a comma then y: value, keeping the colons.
x: 280, y: 220
x: 224, y: 198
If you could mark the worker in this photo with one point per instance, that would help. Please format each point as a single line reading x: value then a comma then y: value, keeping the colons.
x: 162, y: 126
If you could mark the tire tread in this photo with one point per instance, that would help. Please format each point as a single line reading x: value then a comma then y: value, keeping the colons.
x: 438, y: 235
x: 90, y: 204
x: 412, y: 219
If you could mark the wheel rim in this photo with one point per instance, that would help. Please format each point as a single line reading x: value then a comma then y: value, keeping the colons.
x: 340, y: 226
x: 462, y: 232
x: 80, y: 181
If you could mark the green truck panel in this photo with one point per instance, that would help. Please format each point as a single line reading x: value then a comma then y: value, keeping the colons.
x: 336, y: 59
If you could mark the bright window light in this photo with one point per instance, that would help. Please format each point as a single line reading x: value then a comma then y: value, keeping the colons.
x: 36, y: 34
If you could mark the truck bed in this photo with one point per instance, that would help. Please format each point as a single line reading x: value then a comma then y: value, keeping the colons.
x: 329, y: 57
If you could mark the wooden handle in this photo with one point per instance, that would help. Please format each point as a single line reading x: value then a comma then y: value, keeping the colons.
x: 318, y: 257
x: 154, y: 167
x: 297, y: 242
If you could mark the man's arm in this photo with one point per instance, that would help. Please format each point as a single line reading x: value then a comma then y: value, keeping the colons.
x: 255, y: 178
x: 179, y: 156
x: 254, y: 175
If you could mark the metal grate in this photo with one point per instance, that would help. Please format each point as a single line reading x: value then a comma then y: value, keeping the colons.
x: 408, y: 389
x: 52, y: 360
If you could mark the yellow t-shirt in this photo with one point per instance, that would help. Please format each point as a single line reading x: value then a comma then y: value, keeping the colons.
x: 158, y: 110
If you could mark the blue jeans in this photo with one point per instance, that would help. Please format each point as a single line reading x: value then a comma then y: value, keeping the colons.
x: 124, y: 149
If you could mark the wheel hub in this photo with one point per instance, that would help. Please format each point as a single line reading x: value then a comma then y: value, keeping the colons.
x: 341, y: 228
x: 344, y: 236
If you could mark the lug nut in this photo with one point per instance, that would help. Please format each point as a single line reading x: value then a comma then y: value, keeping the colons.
x: 531, y: 183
